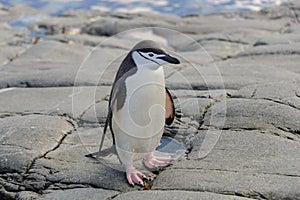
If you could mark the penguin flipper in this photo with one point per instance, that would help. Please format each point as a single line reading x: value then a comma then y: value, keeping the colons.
x: 170, y: 108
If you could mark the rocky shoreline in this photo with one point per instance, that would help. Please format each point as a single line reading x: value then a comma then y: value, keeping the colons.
x: 237, y: 96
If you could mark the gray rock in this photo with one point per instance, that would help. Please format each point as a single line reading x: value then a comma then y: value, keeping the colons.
x: 7, y: 195
x: 285, y: 93
x: 96, y: 113
x: 284, y: 63
x: 196, y: 78
x: 83, y: 39
x: 68, y: 165
x: 174, y: 194
x: 210, y: 94
x: 222, y: 49
x: 71, y: 101
x: 228, y: 36
x: 285, y: 11
x: 279, y: 39
x: 293, y: 29
x: 10, y: 53
x: 242, y: 35
x: 253, y: 114
x: 193, y: 108
x: 238, y: 71
x: 219, y: 23
x: 59, y: 25
x: 233, y: 74
x: 48, y: 63
x: 245, y: 163
x: 23, y: 139
x: 17, y: 12
x: 78, y: 194
x: 13, y: 43
x: 111, y: 44
x: 285, y: 49
x: 114, y: 24
x: 111, y: 25
x: 218, y: 50
x: 277, y: 91
x: 193, y: 58
x: 26, y: 195
x: 52, y: 64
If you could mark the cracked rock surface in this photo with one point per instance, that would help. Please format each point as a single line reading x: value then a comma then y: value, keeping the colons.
x: 236, y: 92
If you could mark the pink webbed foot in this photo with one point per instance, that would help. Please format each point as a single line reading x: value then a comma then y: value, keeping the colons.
x: 156, y: 163
x: 134, y: 176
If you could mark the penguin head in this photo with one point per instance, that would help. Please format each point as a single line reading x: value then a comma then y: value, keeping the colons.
x: 151, y: 55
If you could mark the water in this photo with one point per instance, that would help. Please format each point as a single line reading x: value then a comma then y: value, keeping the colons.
x: 170, y: 147
x: 173, y: 7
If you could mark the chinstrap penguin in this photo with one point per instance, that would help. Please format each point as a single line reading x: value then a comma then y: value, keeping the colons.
x: 139, y: 107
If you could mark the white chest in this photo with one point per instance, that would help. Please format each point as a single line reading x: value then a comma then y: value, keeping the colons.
x: 143, y: 112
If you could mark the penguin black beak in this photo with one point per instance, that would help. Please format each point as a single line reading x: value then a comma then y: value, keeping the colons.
x: 170, y: 59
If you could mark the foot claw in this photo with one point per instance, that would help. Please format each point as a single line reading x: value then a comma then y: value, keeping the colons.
x: 134, y: 176
x: 142, y: 183
x: 146, y: 179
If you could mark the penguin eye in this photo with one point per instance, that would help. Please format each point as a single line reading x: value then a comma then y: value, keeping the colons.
x: 150, y: 54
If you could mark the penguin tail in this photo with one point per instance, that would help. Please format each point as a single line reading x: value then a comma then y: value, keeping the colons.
x: 104, y: 153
